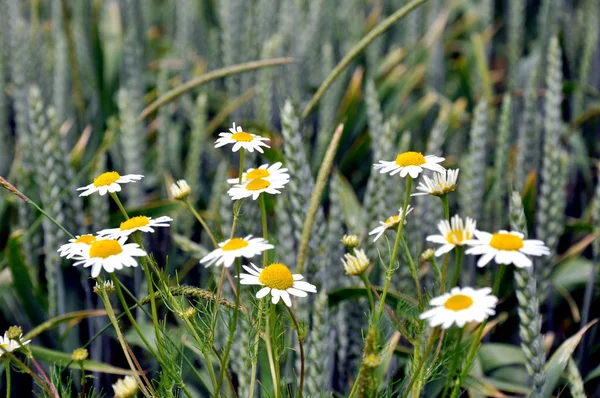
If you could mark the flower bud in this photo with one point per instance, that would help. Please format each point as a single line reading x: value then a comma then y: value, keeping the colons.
x: 180, y: 190
x: 14, y: 332
x: 350, y: 241
x: 79, y: 355
x: 427, y: 255
x: 356, y: 264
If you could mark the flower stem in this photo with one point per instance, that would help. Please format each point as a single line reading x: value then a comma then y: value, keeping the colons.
x: 7, y: 370
x: 414, y: 272
x: 446, y: 206
x: 232, y: 328
x: 261, y: 305
x: 268, y: 338
x: 202, y: 222
x: 263, y: 217
x: 415, y: 375
x: 394, y: 251
x: 457, y: 266
x: 121, y: 339
x: 300, y: 340
x: 480, y: 330
x: 119, y: 204
x: 48, y: 388
x: 365, y: 280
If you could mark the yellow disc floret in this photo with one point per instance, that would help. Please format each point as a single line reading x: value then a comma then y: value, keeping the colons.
x: 134, y: 222
x: 257, y: 185
x: 277, y: 276
x: 105, y: 248
x: 87, y: 239
x: 242, y: 136
x: 391, y: 222
x: 257, y: 173
x: 235, y: 244
x: 507, y: 242
x: 459, y: 237
x: 107, y: 178
x: 458, y: 302
x: 410, y: 159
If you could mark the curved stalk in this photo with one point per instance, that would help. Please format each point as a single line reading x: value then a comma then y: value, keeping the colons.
x: 300, y: 340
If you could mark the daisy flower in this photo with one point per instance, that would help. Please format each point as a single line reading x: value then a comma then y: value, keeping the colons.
x: 180, y: 190
x: 126, y: 387
x: 253, y: 188
x: 110, y: 254
x: 76, y: 246
x: 410, y: 163
x: 9, y: 345
x: 439, y: 185
x: 231, y: 249
x: 139, y: 223
x: 460, y: 306
x: 272, y: 173
x: 108, y: 182
x: 453, y: 233
x: 278, y: 280
x: 506, y: 247
x: 240, y: 139
x: 390, y: 223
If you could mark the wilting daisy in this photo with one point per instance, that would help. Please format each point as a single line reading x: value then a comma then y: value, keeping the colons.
x: 278, y: 280
x: 460, y: 306
x: 180, y: 190
x: 253, y: 188
x: 440, y: 184
x: 357, y: 263
x: 139, y: 223
x: 240, y: 139
x: 76, y: 246
x: 453, y: 233
x: 231, y: 249
x: 125, y: 388
x: 272, y: 173
x: 390, y: 223
x: 506, y: 248
x: 410, y: 163
x: 9, y: 345
x: 110, y: 254
x: 108, y: 182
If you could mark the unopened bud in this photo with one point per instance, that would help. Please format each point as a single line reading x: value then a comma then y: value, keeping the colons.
x: 350, y: 241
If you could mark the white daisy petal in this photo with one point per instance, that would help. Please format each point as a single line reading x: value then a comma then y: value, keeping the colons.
x: 459, y: 307
x: 231, y: 249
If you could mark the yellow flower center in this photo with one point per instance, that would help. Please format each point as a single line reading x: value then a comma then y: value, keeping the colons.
x: 242, y: 136
x: 276, y: 276
x: 87, y: 239
x: 257, y: 185
x: 410, y: 159
x: 105, y: 179
x: 459, y: 236
x: 134, y: 222
x: 392, y: 221
x: 4, y: 345
x: 257, y: 173
x: 105, y: 248
x: 235, y: 244
x: 507, y: 242
x: 458, y: 302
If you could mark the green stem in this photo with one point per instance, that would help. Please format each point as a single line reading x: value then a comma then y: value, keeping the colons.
x: 232, y: 328
x: 7, y: 370
x: 119, y: 204
x: 274, y: 334
x: 394, y: 251
x: 454, y: 362
x: 436, y: 267
x: 255, y: 348
x: 355, y: 385
x: 365, y: 280
x: 122, y: 342
x: 268, y: 338
x: 415, y: 375
x: 301, y: 345
x: 50, y: 390
x: 117, y: 284
x: 414, y: 272
x: 241, y: 171
x: 202, y: 222
x: 263, y: 217
x: 480, y: 330
x: 48, y: 216
x: 446, y: 206
x: 82, y: 369
x: 457, y: 266
x: 444, y: 273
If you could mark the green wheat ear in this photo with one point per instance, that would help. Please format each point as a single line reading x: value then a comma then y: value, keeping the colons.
x: 532, y: 341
